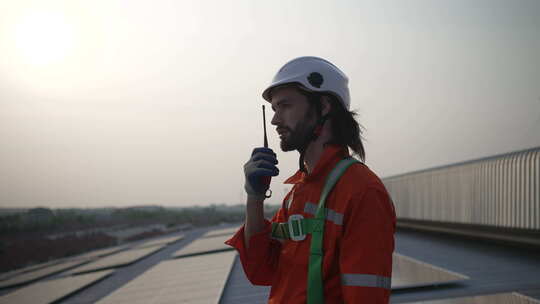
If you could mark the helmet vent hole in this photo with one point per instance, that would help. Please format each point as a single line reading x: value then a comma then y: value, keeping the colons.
x: 315, y: 79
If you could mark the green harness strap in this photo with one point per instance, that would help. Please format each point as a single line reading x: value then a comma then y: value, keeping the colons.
x: 315, y: 226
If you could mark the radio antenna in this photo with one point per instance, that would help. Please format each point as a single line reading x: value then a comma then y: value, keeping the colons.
x: 264, y: 127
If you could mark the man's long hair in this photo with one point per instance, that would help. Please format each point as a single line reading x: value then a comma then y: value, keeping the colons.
x: 346, y: 131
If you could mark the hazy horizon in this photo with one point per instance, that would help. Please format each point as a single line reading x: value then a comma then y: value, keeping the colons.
x: 111, y: 103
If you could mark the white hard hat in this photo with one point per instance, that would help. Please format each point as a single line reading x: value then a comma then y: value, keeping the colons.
x: 313, y: 74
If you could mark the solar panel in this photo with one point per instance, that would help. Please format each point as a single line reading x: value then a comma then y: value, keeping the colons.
x: 13, y: 273
x: 161, y: 241
x: 52, y: 290
x: 221, y: 232
x: 240, y: 291
x: 197, y: 279
x: 101, y: 252
x: 499, y: 298
x: 122, y: 258
x: 408, y: 272
x: 204, y: 245
x: 31, y: 276
x: 85, y: 256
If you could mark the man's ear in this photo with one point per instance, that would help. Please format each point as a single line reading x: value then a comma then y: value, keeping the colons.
x: 326, y: 105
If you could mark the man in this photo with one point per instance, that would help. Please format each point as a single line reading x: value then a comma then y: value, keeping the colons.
x: 338, y: 250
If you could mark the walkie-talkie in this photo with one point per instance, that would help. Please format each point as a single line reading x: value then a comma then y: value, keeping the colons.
x: 266, y: 179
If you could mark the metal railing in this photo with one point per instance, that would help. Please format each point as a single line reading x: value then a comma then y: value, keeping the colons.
x: 497, y: 191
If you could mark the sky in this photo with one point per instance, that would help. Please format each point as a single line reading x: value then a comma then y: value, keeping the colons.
x: 121, y: 103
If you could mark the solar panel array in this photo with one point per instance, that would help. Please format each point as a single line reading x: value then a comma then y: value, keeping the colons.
x: 197, y: 279
x: 49, y: 291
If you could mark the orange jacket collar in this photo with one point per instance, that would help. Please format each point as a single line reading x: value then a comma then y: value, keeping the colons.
x: 331, y: 155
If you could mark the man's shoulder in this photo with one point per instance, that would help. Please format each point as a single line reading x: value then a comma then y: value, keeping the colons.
x: 359, y: 185
x: 359, y: 178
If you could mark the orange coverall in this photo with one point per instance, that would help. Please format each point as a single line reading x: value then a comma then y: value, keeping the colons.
x: 358, y: 238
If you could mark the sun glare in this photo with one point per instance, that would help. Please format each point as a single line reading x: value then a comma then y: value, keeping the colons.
x: 44, y: 37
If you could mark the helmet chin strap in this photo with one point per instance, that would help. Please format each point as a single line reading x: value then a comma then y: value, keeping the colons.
x: 316, y: 131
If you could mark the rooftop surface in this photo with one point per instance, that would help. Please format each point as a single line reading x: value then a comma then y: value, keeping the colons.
x: 208, y: 274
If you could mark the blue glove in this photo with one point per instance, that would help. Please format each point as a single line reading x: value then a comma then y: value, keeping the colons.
x: 261, y: 164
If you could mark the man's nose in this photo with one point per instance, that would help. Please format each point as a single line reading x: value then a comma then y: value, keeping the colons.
x: 275, y: 119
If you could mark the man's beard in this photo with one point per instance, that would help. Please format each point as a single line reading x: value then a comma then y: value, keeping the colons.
x: 298, y: 138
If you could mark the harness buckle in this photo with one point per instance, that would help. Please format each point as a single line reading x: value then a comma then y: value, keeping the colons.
x: 296, y: 229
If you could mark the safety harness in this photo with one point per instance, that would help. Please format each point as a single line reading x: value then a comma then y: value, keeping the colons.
x: 298, y: 227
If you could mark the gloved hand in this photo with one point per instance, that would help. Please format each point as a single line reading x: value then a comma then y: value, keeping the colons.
x: 261, y: 164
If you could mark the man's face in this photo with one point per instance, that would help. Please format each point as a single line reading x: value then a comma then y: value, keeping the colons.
x: 293, y: 117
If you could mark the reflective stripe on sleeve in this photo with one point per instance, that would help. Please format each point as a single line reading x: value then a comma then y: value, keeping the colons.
x: 330, y: 215
x: 365, y: 280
